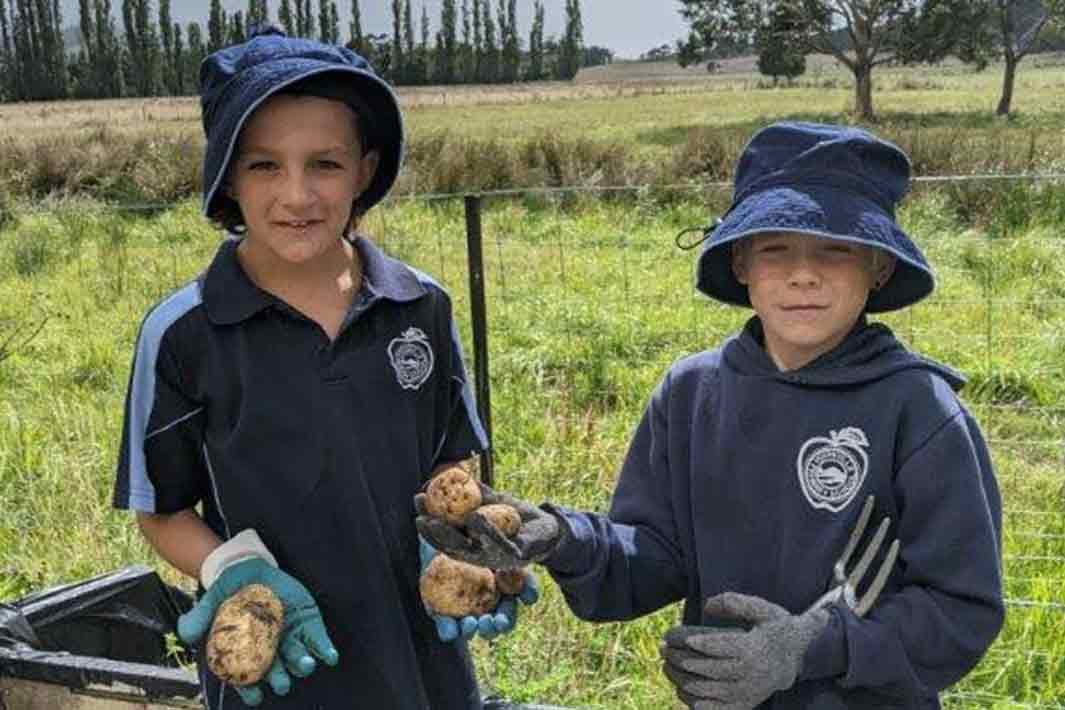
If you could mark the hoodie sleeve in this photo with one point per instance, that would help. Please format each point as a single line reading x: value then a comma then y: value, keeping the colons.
x: 949, y: 608
x: 628, y: 563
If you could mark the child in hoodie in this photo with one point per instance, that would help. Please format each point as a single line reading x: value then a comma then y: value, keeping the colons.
x: 748, y: 470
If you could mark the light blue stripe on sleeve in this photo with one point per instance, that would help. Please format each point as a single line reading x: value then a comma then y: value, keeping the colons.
x: 142, y: 389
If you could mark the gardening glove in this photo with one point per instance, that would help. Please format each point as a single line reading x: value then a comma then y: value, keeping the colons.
x: 738, y: 669
x: 488, y: 626
x: 244, y: 560
x: 483, y: 544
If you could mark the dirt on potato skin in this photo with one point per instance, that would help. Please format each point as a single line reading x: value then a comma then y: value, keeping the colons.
x: 244, y: 635
x: 505, y: 517
x: 451, y: 495
x: 454, y: 588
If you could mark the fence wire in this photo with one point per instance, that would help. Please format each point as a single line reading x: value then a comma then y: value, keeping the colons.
x: 570, y: 286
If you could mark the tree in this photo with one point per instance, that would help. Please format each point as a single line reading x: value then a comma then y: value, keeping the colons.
x: 467, y: 63
x: 510, y: 42
x: 178, y: 70
x: 424, y: 51
x: 447, y: 44
x: 166, y: 34
x: 860, y: 34
x: 1019, y: 24
x: 357, y: 41
x: 399, y: 66
x: 778, y: 53
x: 535, y: 70
x: 109, y: 77
x: 489, y: 48
x: 216, y: 27
x: 478, y: 42
x: 284, y: 16
x: 196, y: 53
x: 328, y: 29
x: 571, y: 47
x: 236, y: 29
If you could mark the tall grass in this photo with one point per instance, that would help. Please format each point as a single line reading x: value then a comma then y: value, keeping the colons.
x: 150, y: 151
x: 589, y: 302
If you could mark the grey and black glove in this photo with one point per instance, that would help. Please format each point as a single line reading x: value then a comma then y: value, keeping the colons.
x: 738, y: 669
x: 481, y: 543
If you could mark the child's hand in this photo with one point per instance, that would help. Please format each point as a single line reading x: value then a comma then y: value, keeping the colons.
x: 716, y: 668
x: 485, y: 545
x: 304, y: 639
x: 502, y: 620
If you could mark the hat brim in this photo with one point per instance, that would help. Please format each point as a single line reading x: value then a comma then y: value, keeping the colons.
x: 253, y: 86
x: 821, y: 211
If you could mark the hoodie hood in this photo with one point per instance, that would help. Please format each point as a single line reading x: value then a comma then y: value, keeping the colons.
x: 870, y: 352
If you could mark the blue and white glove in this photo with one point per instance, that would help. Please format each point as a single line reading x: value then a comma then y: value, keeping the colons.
x: 488, y: 626
x: 244, y: 560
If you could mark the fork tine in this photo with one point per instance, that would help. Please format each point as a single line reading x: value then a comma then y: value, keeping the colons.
x: 870, y: 553
x: 871, y: 594
x: 840, y: 569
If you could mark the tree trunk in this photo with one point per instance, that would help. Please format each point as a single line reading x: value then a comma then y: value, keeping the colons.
x: 1008, y: 78
x: 863, y: 91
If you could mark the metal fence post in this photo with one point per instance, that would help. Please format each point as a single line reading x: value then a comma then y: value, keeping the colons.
x: 479, y: 318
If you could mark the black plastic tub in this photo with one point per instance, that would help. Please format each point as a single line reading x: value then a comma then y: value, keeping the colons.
x: 100, y: 644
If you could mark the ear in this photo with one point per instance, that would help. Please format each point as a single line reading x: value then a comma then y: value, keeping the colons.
x: 739, y: 262
x: 367, y: 169
x: 883, y: 269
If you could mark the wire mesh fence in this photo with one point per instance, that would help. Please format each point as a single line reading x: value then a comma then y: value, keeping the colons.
x: 592, y: 305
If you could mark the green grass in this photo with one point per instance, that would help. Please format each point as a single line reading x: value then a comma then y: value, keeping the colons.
x: 589, y: 302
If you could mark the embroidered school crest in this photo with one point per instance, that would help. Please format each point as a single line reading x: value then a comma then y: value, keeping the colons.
x: 412, y: 358
x: 832, y: 470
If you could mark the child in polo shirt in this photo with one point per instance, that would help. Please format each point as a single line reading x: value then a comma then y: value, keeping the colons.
x: 746, y: 475
x: 300, y: 392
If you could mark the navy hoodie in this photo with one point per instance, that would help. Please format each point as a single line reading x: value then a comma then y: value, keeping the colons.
x: 747, y: 479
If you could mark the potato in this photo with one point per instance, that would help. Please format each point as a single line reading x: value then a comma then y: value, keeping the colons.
x: 455, y: 588
x: 503, y: 516
x: 244, y: 635
x: 452, y: 494
x: 510, y: 581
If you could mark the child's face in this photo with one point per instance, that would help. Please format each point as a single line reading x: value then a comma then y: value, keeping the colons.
x: 298, y: 169
x: 807, y: 291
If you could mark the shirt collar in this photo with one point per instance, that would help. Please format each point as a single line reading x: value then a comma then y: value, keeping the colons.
x: 231, y: 297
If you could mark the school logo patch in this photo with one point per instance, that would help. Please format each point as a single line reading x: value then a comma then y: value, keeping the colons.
x: 832, y: 469
x: 411, y: 356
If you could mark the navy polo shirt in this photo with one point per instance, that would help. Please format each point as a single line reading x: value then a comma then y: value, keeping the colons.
x: 239, y: 403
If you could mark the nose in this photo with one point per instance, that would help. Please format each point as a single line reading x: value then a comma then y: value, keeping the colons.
x: 297, y: 189
x: 804, y: 272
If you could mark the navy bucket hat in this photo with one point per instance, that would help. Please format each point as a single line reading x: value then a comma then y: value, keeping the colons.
x: 236, y: 80
x: 821, y: 180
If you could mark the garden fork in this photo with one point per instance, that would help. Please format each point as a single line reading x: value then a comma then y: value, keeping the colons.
x: 845, y: 585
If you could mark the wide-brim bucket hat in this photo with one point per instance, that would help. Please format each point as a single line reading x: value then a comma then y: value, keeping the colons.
x: 236, y: 80
x: 823, y: 181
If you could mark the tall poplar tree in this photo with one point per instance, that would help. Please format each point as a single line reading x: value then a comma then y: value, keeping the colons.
x: 358, y: 39
x: 284, y: 16
x: 399, y: 66
x: 535, y: 70
x: 195, y: 54
x: 572, y: 46
x: 216, y: 27
x: 166, y: 35
x: 511, y: 44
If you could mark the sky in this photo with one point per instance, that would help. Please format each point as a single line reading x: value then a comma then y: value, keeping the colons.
x: 628, y: 27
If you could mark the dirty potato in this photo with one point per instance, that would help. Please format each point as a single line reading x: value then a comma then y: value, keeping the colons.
x: 504, y: 517
x: 452, y: 494
x: 458, y: 589
x: 510, y: 581
x: 244, y: 635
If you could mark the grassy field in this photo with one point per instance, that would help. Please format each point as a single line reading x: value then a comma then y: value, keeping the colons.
x: 589, y: 303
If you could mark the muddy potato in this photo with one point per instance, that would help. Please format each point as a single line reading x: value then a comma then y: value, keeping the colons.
x: 503, y: 516
x: 244, y: 635
x: 451, y: 495
x: 458, y: 589
x: 510, y: 581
